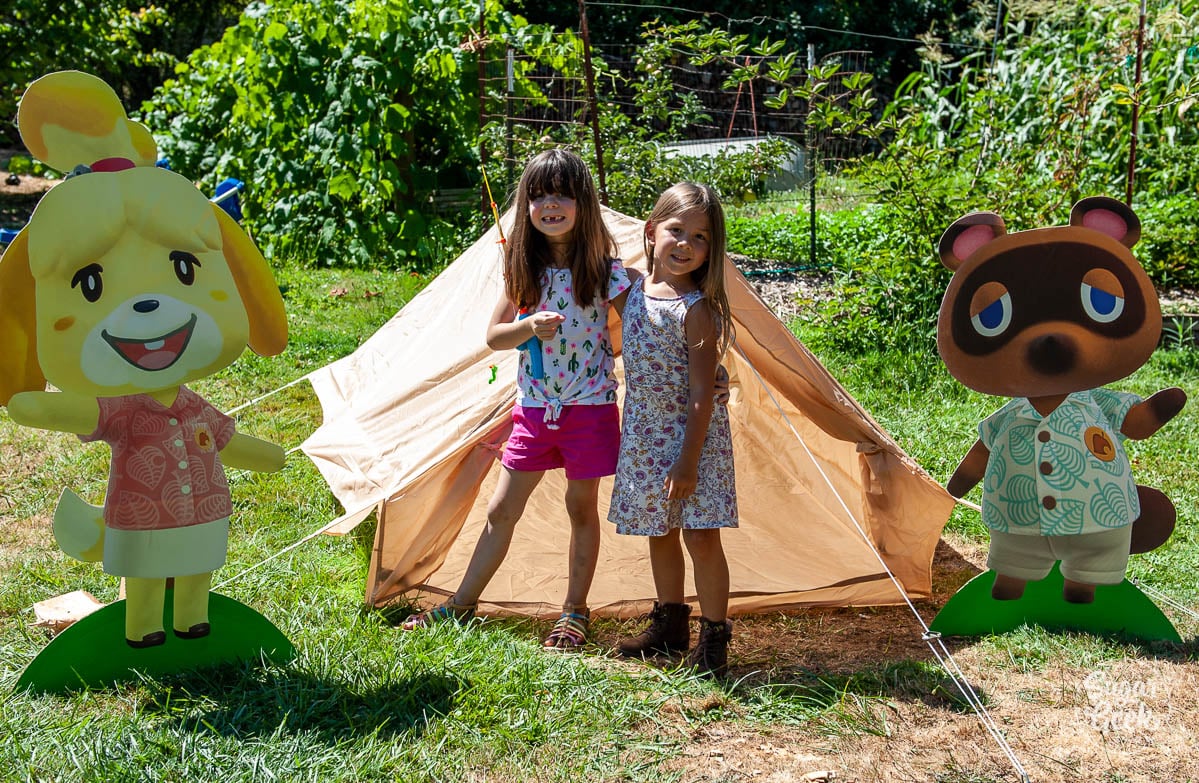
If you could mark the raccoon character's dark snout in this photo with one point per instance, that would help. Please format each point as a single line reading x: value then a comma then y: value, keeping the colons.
x: 1052, y: 354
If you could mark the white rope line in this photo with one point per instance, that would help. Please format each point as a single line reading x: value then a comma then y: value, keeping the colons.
x: 262, y: 397
x: 931, y: 638
x: 326, y: 528
x: 968, y: 504
x: 1166, y: 599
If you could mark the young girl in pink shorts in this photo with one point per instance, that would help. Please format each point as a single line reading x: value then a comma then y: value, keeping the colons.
x: 561, y: 275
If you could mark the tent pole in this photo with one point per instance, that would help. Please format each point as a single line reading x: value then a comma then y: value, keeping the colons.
x: 592, y: 106
x: 1136, y: 109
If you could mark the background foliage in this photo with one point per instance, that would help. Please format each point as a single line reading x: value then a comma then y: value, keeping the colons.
x: 344, y: 116
x: 132, y: 45
x: 1025, y: 130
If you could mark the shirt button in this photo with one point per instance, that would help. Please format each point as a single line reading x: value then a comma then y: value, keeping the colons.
x: 1046, y: 468
x: 1043, y: 436
x: 173, y: 422
x: 182, y: 464
x: 1049, y: 503
x: 178, y: 443
x: 186, y: 489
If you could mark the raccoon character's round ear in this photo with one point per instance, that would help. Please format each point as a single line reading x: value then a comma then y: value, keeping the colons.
x: 1108, y: 216
x: 967, y: 234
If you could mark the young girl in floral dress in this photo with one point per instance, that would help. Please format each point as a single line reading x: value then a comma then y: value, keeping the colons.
x: 674, y: 480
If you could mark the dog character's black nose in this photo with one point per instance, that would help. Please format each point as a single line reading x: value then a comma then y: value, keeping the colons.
x: 146, y: 306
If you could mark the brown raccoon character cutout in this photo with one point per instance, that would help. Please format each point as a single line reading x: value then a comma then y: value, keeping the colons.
x: 1047, y: 317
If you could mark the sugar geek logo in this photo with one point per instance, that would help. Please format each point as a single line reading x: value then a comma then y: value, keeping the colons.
x: 1120, y: 705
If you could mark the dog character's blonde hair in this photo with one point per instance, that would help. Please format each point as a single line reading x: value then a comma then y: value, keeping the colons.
x: 69, y: 120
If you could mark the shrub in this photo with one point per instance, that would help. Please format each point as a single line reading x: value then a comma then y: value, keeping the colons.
x: 342, y: 116
x: 1169, y: 246
x: 131, y: 45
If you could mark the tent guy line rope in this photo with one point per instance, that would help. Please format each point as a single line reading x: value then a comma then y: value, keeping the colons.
x: 271, y: 393
x: 295, y: 545
x: 968, y: 504
x: 931, y: 638
x: 1166, y: 599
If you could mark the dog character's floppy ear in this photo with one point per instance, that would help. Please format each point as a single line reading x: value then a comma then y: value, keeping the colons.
x: 70, y: 118
x: 256, y: 285
x: 1108, y: 216
x: 967, y: 234
x: 19, y: 367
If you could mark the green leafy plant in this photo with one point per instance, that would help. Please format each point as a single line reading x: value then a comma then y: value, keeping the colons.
x: 342, y: 116
x: 23, y: 164
x: 641, y: 158
x: 1024, y: 128
x: 131, y: 45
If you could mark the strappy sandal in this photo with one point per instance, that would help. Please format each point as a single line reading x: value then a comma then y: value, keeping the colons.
x: 459, y: 613
x: 570, y: 632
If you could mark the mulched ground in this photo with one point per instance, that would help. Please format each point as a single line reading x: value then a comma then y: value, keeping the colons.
x: 19, y: 194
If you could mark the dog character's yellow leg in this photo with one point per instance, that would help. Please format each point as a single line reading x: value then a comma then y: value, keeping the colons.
x: 143, y: 611
x: 191, y: 605
x: 79, y: 528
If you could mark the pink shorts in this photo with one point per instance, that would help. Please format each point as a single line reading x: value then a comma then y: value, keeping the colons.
x: 586, y: 442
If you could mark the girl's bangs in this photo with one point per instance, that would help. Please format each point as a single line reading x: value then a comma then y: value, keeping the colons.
x: 552, y: 177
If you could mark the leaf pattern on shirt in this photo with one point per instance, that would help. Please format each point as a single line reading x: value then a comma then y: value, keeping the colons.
x: 1110, y: 507
x: 1065, y: 519
x: 1022, y: 444
x: 147, y: 467
x: 1017, y: 505
x: 1067, y: 464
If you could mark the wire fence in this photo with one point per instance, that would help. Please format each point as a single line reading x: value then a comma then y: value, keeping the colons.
x: 675, y: 110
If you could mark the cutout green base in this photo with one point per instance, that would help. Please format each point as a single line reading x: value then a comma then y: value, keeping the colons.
x: 92, y: 653
x: 1117, y: 609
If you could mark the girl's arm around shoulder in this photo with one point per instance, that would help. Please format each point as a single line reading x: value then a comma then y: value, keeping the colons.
x: 619, y: 300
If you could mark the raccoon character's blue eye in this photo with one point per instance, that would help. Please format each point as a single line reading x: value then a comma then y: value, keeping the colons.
x: 1100, y: 305
x: 995, y: 318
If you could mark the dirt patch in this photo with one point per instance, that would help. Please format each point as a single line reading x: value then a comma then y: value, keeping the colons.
x: 893, y: 716
x: 1129, y: 722
x: 789, y: 291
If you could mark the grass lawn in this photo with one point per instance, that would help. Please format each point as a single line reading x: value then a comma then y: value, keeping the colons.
x: 853, y: 690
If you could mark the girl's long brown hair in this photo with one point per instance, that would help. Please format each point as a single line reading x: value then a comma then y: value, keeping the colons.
x: 676, y: 201
x: 528, y: 253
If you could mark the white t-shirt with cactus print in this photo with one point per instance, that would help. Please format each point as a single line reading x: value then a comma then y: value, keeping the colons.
x: 578, y: 361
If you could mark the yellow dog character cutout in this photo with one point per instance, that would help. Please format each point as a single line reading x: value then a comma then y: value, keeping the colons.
x: 126, y: 284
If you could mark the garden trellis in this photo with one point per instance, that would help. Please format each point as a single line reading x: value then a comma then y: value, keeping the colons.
x: 695, y: 111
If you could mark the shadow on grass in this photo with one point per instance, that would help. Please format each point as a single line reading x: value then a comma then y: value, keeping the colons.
x: 855, y: 702
x: 247, y: 701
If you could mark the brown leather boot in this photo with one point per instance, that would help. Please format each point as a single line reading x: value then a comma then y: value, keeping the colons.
x: 710, y: 656
x: 668, y: 631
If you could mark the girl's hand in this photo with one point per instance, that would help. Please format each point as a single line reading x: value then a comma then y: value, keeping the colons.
x: 680, y: 481
x: 721, y: 388
x: 545, y: 323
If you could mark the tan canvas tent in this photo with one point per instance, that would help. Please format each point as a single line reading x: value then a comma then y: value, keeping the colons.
x: 414, y: 424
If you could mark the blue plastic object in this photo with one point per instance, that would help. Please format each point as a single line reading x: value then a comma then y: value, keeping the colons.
x: 226, y: 197
x: 163, y: 163
x: 7, y: 235
x: 533, y: 346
